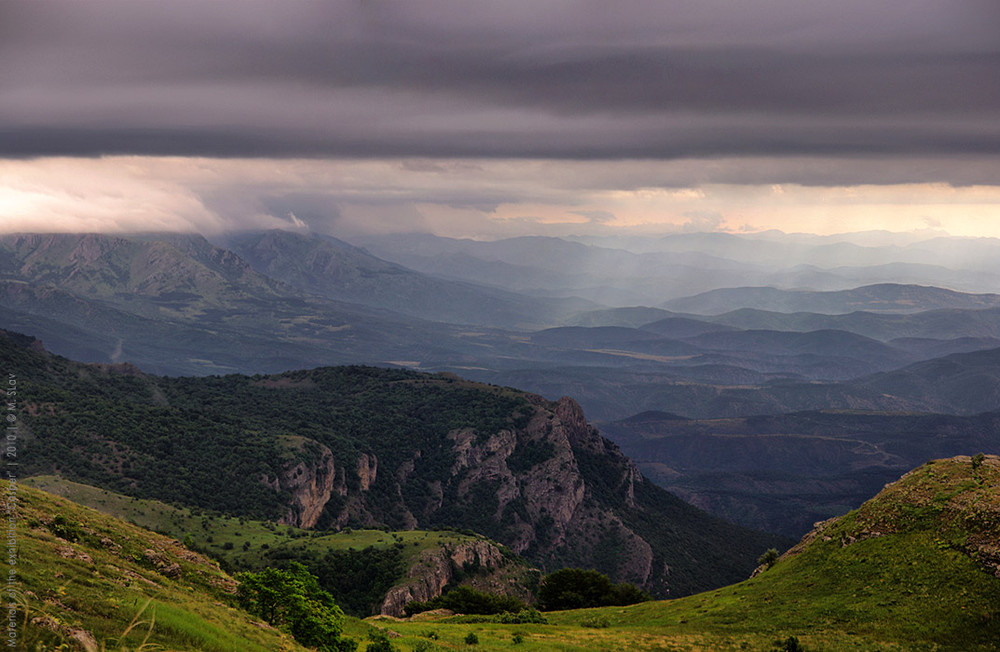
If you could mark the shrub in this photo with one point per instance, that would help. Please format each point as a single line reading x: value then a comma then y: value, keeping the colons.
x: 471, y: 639
x: 528, y: 615
x: 465, y: 600
x: 66, y: 529
x: 380, y: 643
x: 977, y: 460
x: 576, y: 588
x: 597, y: 622
x: 790, y: 644
x: 769, y: 558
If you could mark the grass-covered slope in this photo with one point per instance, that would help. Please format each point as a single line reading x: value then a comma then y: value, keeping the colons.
x: 358, y: 567
x: 915, y: 568
x: 91, y: 582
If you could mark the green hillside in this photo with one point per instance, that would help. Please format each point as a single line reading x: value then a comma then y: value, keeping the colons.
x: 358, y: 567
x: 89, y: 581
x: 915, y: 568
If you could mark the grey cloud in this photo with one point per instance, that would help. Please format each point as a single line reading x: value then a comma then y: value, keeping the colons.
x: 576, y: 80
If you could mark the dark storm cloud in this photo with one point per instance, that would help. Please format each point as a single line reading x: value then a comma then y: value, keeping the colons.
x: 580, y: 79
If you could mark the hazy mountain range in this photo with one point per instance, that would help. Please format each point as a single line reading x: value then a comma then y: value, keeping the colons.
x: 676, y: 325
x: 651, y: 271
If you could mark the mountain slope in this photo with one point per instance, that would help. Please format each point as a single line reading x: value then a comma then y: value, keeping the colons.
x: 915, y: 566
x: 783, y: 473
x: 938, y: 324
x: 362, y: 446
x: 367, y: 571
x: 84, y: 577
x: 882, y: 297
x: 963, y: 382
x: 558, y: 267
x: 337, y: 270
x: 177, y: 304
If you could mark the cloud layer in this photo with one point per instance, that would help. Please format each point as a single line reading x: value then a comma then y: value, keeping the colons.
x: 464, y: 198
x: 571, y: 80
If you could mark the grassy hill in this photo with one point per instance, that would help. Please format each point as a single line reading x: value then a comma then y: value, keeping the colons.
x: 91, y: 582
x: 358, y: 567
x: 915, y: 568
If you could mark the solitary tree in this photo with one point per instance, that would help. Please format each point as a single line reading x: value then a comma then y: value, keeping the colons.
x: 769, y: 558
x: 292, y: 599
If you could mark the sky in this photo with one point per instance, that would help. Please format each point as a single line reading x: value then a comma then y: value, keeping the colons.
x: 489, y: 119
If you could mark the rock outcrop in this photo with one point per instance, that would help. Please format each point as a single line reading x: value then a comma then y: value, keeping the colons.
x: 523, y: 486
x: 437, y: 568
x: 311, y: 483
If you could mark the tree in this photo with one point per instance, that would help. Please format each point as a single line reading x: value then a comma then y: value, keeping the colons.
x: 576, y: 588
x: 769, y: 558
x: 466, y: 600
x: 293, y: 600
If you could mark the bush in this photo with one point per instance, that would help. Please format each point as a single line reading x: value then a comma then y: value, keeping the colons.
x: 465, y: 600
x: 471, y: 639
x: 66, y: 529
x: 769, y: 558
x: 576, y: 588
x: 380, y: 643
x: 790, y: 644
x: 529, y: 615
x: 597, y: 622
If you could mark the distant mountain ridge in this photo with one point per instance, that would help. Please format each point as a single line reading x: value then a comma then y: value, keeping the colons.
x: 630, y: 271
x: 882, y: 297
x: 782, y: 473
x: 362, y: 446
x: 336, y: 270
x: 177, y: 304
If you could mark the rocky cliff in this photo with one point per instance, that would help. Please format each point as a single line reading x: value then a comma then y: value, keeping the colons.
x: 480, y: 564
x: 310, y: 481
x: 549, y: 487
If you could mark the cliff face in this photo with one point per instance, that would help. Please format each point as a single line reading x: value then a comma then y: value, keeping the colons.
x: 437, y: 568
x: 310, y: 482
x: 550, y: 488
x: 543, y: 498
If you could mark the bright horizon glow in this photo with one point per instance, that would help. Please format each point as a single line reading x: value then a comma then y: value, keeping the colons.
x: 480, y: 199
